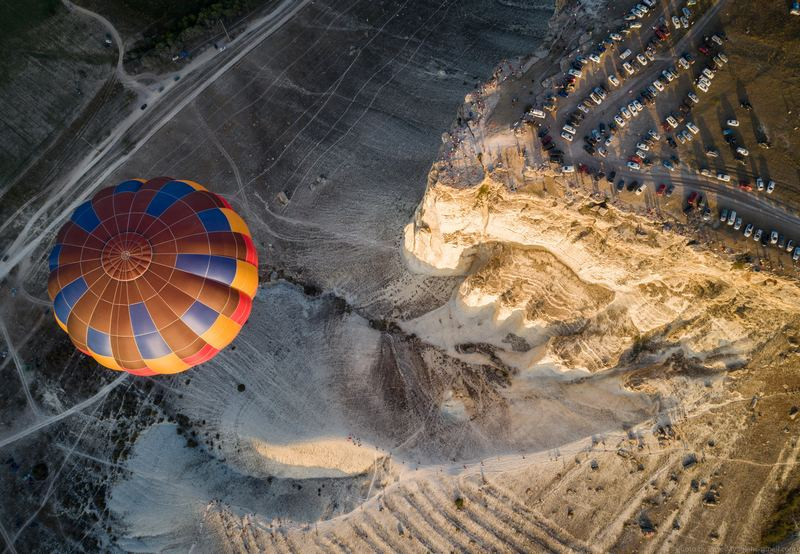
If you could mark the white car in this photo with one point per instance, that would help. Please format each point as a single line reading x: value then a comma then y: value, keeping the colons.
x: 773, y: 237
x: 628, y: 68
x: 575, y: 72
x: 685, y: 22
x: 633, y: 109
x: 705, y: 172
x: 583, y: 108
x: 568, y: 169
x: 687, y: 135
x: 716, y: 39
x: 742, y: 151
x: 642, y: 146
x: 692, y: 127
x: 770, y: 186
x: 641, y: 59
x: 680, y: 138
x: 613, y: 80
x: 723, y: 57
x: 733, y: 123
x: 693, y: 97
x: 708, y: 73
x: 732, y: 217
x: 790, y: 245
x: 659, y: 86
x: 602, y: 151
x: 594, y: 57
x: 639, y: 107
x: 615, y: 37
x: 676, y: 22
x: 757, y: 236
x: 567, y: 136
x: 634, y: 165
x: 624, y: 55
x: 748, y: 230
x: 702, y: 86
x: 640, y: 189
x: 650, y: 55
x: 796, y: 253
x: 683, y: 63
x: 635, y: 25
x: 641, y: 153
x: 738, y: 224
x: 672, y: 122
x: 724, y: 177
x: 625, y: 112
x: 654, y: 134
x: 668, y: 76
x: 760, y: 183
x: 619, y: 120
x: 569, y: 129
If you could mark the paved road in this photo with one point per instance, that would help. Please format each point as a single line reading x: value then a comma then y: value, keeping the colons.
x: 763, y: 209
x: 136, y: 130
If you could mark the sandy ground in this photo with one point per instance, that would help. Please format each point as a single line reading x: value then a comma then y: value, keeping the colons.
x: 454, y: 352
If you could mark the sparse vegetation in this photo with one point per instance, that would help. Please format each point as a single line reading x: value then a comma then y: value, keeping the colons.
x: 459, y: 502
x: 784, y: 524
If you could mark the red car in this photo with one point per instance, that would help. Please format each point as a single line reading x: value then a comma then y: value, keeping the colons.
x: 704, y: 50
x: 745, y: 185
x: 661, y: 188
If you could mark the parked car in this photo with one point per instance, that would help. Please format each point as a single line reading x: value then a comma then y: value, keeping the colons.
x: 748, y: 230
x: 757, y: 235
x: 568, y: 169
x: 737, y: 224
x: 733, y: 122
x: 773, y: 237
x: 566, y: 136
x: 770, y: 186
x: 790, y: 245
x: 613, y: 80
x: 634, y: 166
x: 796, y: 253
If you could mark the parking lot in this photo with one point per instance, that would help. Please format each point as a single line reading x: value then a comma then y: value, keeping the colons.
x: 625, y: 106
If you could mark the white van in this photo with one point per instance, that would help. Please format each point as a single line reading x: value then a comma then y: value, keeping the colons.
x: 626, y: 54
x: 537, y: 113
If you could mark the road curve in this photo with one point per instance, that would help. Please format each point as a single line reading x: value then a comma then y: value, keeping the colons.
x: 42, y: 423
x: 139, y: 128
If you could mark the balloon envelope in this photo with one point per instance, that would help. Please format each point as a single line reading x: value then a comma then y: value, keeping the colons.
x: 153, y: 276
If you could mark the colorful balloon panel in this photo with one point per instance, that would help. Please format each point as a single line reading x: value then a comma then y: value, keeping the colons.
x: 153, y: 277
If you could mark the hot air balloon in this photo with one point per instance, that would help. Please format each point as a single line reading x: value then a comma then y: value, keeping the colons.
x: 153, y: 277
